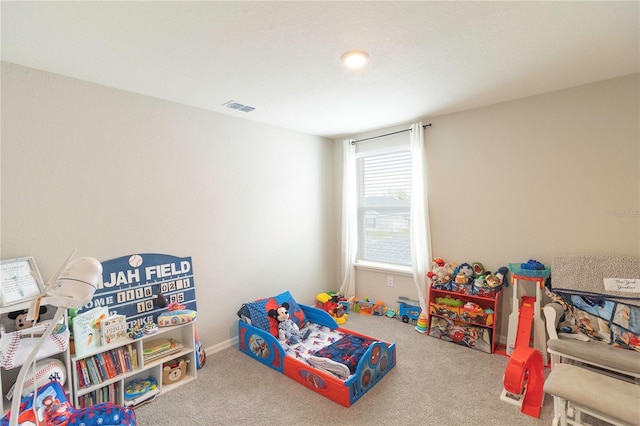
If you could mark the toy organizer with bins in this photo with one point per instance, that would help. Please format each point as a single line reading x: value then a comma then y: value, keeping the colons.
x: 471, y: 321
x: 8, y: 376
x: 116, y: 364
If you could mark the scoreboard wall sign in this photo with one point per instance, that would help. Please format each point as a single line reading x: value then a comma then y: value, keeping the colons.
x: 131, y: 285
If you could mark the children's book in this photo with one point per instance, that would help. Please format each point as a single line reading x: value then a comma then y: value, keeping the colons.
x: 86, y: 330
x: 102, y: 367
x: 96, y: 379
x: 154, y: 349
x: 80, y: 375
x: 113, y: 328
x: 85, y: 372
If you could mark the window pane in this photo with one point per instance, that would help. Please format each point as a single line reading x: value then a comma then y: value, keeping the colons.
x: 384, y: 183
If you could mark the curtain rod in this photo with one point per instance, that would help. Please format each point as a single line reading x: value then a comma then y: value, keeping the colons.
x: 388, y: 134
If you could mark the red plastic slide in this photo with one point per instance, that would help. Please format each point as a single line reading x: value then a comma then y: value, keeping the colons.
x: 525, y: 364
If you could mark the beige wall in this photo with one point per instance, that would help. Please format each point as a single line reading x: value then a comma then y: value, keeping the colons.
x: 114, y: 173
x: 533, y: 178
x: 257, y: 207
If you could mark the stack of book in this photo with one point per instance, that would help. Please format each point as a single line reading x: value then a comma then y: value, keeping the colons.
x: 158, y: 348
x: 108, y: 393
x: 106, y: 365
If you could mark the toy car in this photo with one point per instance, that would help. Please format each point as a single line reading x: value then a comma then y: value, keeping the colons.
x: 408, y: 312
x: 150, y: 328
x: 135, y: 332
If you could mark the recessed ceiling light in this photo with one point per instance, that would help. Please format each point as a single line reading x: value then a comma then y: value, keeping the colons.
x: 355, y: 59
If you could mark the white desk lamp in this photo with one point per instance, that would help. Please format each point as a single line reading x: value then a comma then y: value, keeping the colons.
x: 72, y: 286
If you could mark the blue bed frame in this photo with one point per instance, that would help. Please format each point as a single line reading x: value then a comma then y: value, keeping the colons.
x: 377, y: 361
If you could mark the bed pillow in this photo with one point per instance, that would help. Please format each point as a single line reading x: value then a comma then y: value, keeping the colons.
x: 259, y: 309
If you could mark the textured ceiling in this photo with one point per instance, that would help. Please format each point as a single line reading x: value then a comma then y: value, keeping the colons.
x: 427, y: 58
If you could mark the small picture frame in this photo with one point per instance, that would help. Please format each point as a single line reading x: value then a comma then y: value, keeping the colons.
x: 21, y: 281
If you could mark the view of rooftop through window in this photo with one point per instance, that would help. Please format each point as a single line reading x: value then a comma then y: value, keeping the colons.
x: 384, y: 189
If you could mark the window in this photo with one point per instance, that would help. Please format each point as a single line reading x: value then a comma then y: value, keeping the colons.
x: 384, y: 183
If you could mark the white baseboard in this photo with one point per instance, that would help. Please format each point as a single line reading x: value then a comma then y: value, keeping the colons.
x: 221, y: 346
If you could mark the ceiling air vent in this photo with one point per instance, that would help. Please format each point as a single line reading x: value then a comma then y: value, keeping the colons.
x: 238, y: 106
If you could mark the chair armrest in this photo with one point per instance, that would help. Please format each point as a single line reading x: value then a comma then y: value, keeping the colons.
x: 552, y: 313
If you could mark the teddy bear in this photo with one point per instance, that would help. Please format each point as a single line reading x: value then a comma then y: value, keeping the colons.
x: 287, y: 329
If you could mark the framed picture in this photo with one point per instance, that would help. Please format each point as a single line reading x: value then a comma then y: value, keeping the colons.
x: 21, y: 281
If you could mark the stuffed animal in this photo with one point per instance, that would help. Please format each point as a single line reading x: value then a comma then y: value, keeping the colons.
x: 479, y: 275
x: 20, y: 318
x: 287, y: 329
x: 441, y: 272
x: 497, y: 279
x: 465, y: 274
x: 478, y: 269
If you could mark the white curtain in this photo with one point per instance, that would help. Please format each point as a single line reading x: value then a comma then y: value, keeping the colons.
x: 349, y: 219
x: 419, y: 230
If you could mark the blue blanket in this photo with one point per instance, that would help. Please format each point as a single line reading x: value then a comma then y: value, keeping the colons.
x: 347, y: 350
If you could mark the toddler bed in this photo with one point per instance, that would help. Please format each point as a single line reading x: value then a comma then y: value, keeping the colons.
x: 340, y: 364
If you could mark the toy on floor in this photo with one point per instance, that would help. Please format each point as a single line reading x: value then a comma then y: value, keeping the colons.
x: 287, y: 329
x: 334, y: 305
x: 524, y: 376
x: 421, y: 326
x: 366, y: 306
x: 390, y: 312
x: 378, y: 309
x: 409, y: 310
x: 323, y: 300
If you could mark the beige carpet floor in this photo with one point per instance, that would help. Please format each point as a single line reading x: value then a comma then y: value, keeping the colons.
x: 434, y: 383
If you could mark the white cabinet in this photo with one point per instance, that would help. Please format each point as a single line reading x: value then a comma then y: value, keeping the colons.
x: 8, y: 377
x: 110, y: 386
